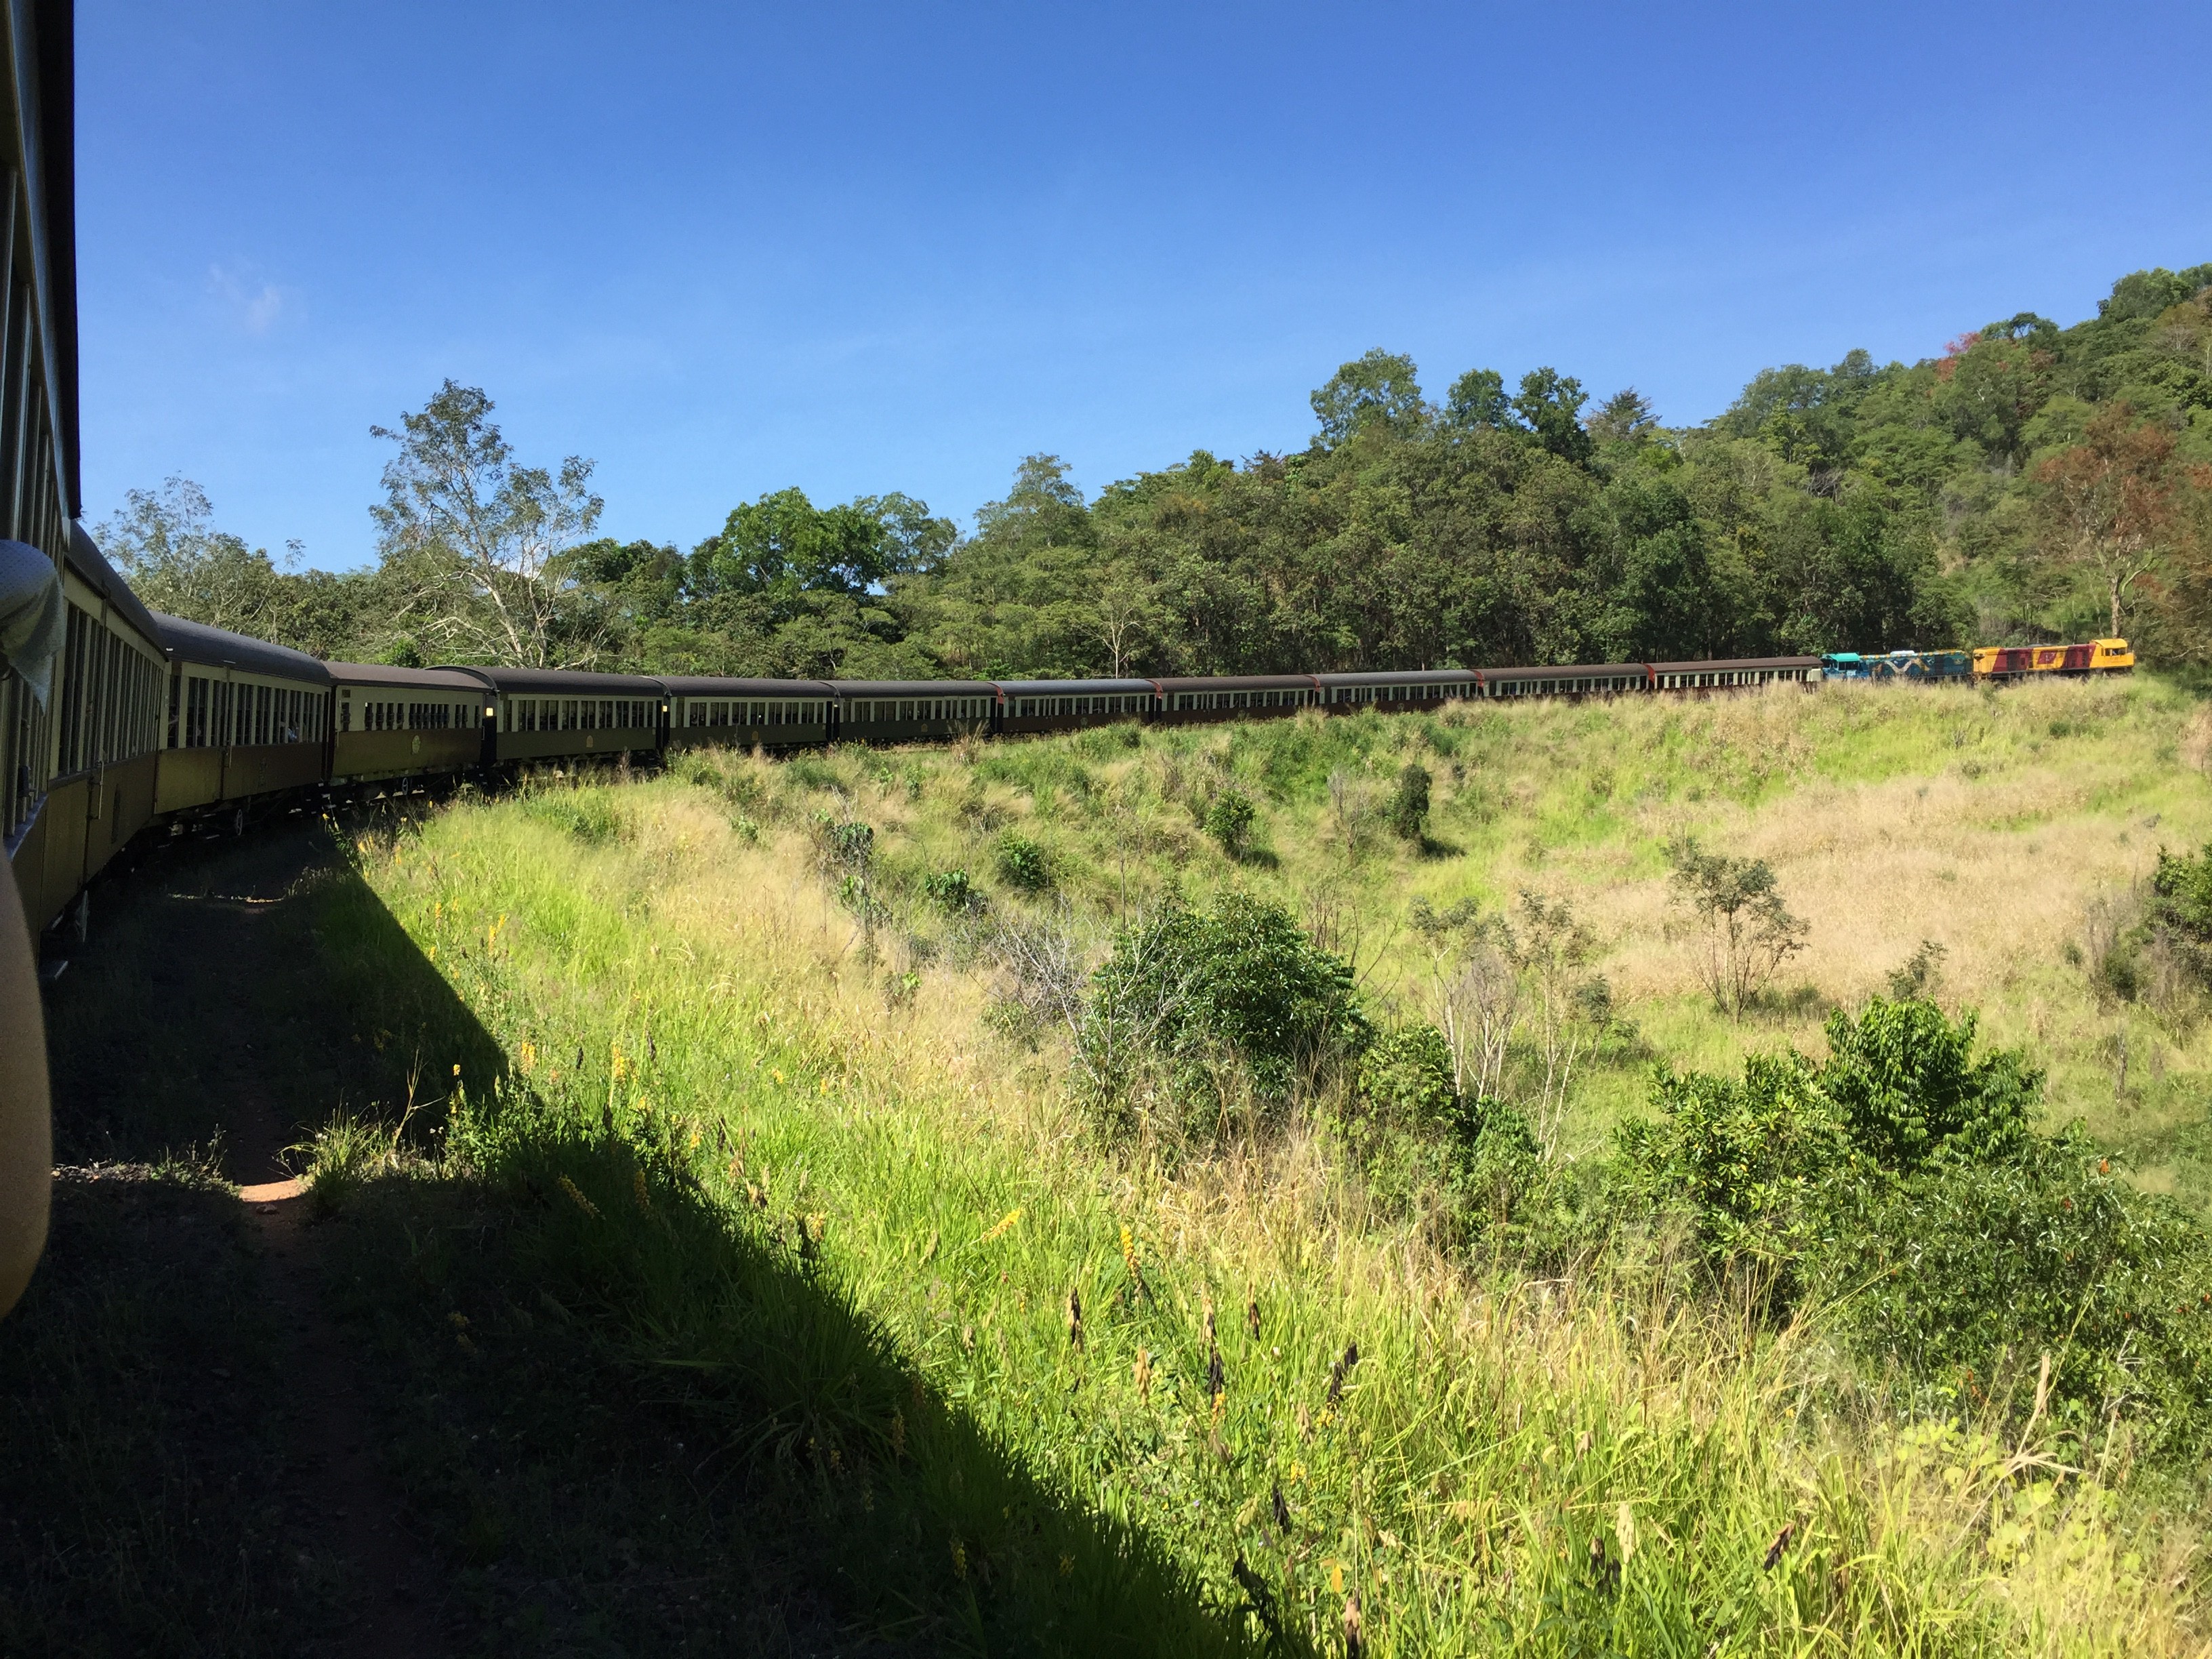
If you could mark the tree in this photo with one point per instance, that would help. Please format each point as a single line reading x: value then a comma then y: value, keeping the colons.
x: 1625, y: 417
x: 1375, y: 391
x: 474, y: 539
x: 1477, y: 401
x: 1550, y: 406
x: 915, y: 542
x: 2108, y: 504
x: 1122, y: 610
x: 166, y: 544
x: 1749, y: 932
x: 784, y: 545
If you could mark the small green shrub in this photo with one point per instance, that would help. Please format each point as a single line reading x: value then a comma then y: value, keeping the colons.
x: 1406, y: 1076
x: 1968, y: 1270
x: 951, y: 891
x: 1408, y: 813
x: 1023, y: 863
x: 1230, y: 817
x: 1919, y: 974
x: 1185, y: 990
x: 845, y: 846
x: 1903, y: 1181
x: 2181, y: 910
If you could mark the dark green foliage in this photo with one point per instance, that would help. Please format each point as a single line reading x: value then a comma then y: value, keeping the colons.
x: 2181, y: 909
x: 1918, y: 974
x: 952, y: 889
x: 1906, y: 1082
x: 1742, y: 1161
x: 1409, y: 804
x: 1229, y: 819
x: 1194, y: 1000
x: 1375, y: 393
x: 1964, y: 1271
x: 1476, y: 1162
x: 1022, y: 863
x: 1501, y: 1181
x: 1407, y: 1075
x: 1902, y: 1180
x: 848, y: 845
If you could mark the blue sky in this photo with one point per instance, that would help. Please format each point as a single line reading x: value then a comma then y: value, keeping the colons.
x: 722, y: 250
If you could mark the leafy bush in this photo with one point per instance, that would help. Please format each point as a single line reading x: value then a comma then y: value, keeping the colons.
x: 1904, y: 1080
x: 1967, y: 1270
x: 1407, y: 1075
x: 1918, y: 974
x: 1230, y: 817
x: 1477, y: 1162
x: 1902, y: 1180
x: 1500, y: 1179
x: 1188, y: 996
x: 844, y: 846
x: 952, y: 891
x: 1743, y: 1160
x: 1023, y: 864
x: 1408, y: 813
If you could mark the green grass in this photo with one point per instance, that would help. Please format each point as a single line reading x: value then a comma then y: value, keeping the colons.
x: 818, y: 1211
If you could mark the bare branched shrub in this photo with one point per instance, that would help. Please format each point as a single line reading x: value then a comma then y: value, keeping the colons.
x: 1749, y: 933
x: 1496, y: 980
x: 1043, y: 973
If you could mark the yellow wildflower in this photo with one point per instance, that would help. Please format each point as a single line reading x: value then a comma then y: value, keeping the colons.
x: 1005, y: 1226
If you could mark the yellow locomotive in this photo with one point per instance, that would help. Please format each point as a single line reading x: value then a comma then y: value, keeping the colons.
x: 2013, y: 662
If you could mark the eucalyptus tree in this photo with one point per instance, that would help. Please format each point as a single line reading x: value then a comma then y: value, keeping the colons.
x: 475, y: 545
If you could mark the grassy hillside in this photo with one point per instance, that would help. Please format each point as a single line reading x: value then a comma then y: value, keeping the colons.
x: 2006, y: 827
x: 776, y: 1134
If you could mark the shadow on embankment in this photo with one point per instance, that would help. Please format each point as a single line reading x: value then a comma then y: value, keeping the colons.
x: 624, y: 1415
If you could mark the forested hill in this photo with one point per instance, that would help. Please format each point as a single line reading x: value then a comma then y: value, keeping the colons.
x: 2030, y: 481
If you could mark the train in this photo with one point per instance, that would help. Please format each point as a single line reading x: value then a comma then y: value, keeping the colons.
x: 162, y: 725
x: 1988, y: 663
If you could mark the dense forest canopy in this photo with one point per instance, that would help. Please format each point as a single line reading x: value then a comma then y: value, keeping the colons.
x: 2032, y: 483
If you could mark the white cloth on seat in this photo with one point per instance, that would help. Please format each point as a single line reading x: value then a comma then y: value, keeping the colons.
x: 32, y: 621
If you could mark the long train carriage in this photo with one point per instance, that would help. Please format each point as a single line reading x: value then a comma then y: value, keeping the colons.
x: 1394, y: 691
x: 246, y: 722
x: 1593, y: 679
x: 1189, y: 699
x: 1026, y: 706
x: 552, y: 713
x: 911, y: 711
x: 1734, y: 673
x: 401, y: 723
x: 708, y: 709
x: 77, y: 751
x: 81, y: 777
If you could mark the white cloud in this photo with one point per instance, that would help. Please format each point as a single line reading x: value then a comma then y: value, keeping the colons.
x: 255, y: 304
